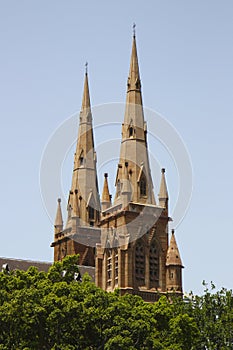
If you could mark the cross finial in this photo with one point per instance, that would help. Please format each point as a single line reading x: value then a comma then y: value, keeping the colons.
x: 134, y: 29
x: 86, y: 67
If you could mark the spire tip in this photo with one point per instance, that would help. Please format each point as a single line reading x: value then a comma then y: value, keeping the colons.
x: 86, y: 67
x: 134, y: 30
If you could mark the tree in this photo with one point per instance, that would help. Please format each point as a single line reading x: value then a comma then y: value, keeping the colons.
x: 213, y: 313
x: 53, y: 310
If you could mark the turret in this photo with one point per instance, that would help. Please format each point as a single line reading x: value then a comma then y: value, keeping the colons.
x: 174, y: 267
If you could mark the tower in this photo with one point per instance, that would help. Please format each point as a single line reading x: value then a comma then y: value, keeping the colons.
x: 133, y: 252
x: 81, y: 232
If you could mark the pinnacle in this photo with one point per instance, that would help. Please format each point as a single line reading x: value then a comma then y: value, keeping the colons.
x: 125, y: 181
x: 106, y: 197
x: 58, y: 220
x: 163, y: 192
x: 105, y: 194
x: 75, y: 204
x: 173, y: 255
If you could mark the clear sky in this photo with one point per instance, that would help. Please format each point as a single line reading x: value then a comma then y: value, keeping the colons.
x: 185, y: 53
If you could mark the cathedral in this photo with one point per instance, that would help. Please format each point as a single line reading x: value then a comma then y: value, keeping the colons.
x: 125, y: 238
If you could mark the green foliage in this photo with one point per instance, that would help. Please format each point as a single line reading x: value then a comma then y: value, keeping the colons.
x: 213, y: 313
x: 53, y: 311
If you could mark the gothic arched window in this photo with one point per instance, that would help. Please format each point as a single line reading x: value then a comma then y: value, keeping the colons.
x: 91, y: 213
x: 81, y: 159
x: 143, y: 185
x: 130, y: 131
x: 154, y: 262
x: 140, y: 262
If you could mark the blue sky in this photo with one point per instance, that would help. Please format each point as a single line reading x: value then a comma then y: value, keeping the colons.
x: 185, y: 53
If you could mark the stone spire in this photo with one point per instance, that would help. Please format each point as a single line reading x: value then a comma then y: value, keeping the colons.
x: 86, y: 103
x: 58, y: 225
x: 134, y: 76
x: 134, y: 141
x: 134, y: 95
x: 84, y: 173
x: 163, y: 192
x: 106, y: 197
x: 173, y: 255
x: 81, y: 233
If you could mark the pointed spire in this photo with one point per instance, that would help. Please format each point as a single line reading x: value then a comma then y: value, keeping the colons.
x: 106, y: 198
x: 86, y: 103
x: 134, y: 76
x: 134, y: 142
x: 84, y: 178
x: 134, y: 116
x: 173, y: 255
x: 163, y: 192
x: 58, y: 225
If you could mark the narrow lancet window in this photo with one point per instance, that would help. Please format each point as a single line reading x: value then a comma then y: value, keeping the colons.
x: 140, y: 263
x: 154, y: 263
x: 130, y: 131
x: 81, y: 159
x: 91, y: 213
x: 143, y: 189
